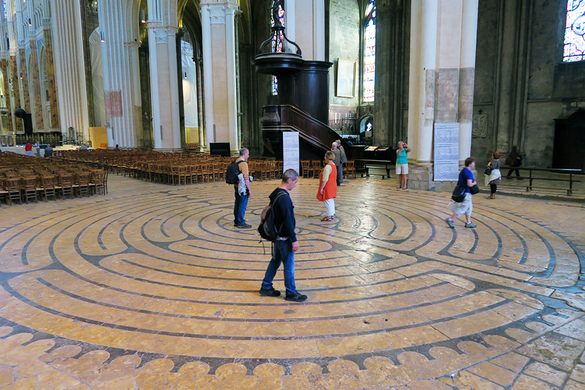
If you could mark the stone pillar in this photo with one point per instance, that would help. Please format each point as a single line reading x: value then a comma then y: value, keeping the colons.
x: 121, y: 71
x: 25, y: 101
x: 391, y: 41
x: 164, y: 87
x: 305, y: 24
x: 69, y: 66
x: 52, y: 86
x: 35, y: 79
x: 442, y: 67
x: 15, y: 91
x: 9, y: 110
x: 219, y: 68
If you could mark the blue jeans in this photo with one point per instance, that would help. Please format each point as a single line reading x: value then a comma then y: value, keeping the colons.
x: 240, y: 208
x: 339, y: 173
x: 281, y: 253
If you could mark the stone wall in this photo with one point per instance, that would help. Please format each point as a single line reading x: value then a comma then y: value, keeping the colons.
x: 344, y: 44
x: 521, y: 83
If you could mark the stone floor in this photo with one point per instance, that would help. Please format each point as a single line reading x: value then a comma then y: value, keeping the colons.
x: 152, y: 287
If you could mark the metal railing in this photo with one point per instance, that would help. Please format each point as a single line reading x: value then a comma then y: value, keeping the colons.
x: 571, y: 173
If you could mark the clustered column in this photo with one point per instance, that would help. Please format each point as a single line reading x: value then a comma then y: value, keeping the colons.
x: 69, y: 66
x: 442, y: 68
x: 121, y: 72
x: 37, y: 105
x: 219, y: 69
x: 162, y: 35
x: 52, y: 86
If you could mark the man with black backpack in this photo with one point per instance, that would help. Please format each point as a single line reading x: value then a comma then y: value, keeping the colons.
x: 285, y: 243
x: 240, y: 166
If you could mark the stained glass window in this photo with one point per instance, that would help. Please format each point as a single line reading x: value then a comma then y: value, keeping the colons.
x: 277, y: 14
x: 575, y: 31
x: 369, y: 71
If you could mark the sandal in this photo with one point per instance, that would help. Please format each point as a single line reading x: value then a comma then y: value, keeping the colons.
x: 327, y: 219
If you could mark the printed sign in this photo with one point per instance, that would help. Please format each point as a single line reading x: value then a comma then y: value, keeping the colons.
x: 446, y: 152
x: 290, y: 151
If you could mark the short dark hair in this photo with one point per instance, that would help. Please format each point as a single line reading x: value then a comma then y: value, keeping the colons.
x: 496, y: 154
x: 243, y: 151
x: 289, y: 174
x: 468, y: 161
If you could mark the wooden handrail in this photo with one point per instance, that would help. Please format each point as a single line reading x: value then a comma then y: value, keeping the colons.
x: 310, y: 129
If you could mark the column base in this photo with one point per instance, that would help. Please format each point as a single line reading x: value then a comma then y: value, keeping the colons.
x: 168, y: 150
x: 420, y: 177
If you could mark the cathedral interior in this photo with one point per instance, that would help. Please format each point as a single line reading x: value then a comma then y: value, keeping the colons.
x: 121, y: 266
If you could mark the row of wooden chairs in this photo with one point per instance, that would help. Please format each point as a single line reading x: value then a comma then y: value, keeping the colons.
x: 312, y: 168
x: 171, y: 168
x: 28, y: 179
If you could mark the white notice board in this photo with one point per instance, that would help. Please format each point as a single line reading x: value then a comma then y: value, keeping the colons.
x: 290, y: 151
x: 446, y: 152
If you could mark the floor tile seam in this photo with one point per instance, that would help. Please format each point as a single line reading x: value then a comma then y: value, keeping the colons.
x: 165, y: 210
x: 473, y: 268
x: 520, y: 217
x: 551, y: 329
x: 238, y: 338
x: 515, y: 376
x: 263, y: 269
x: 543, y: 379
x: 110, y: 223
x: 49, y: 217
x: 209, y: 289
x: 438, y: 284
x: 66, y: 221
x: 336, y: 276
x: 364, y: 315
x: 297, y: 319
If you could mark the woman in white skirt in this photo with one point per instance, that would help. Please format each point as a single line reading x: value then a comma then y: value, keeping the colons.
x: 495, y: 176
x: 466, y: 180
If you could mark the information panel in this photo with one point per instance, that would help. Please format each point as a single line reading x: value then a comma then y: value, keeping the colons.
x: 290, y: 151
x: 446, y: 152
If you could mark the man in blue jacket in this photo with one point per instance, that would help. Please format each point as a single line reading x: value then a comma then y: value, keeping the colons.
x: 285, y: 246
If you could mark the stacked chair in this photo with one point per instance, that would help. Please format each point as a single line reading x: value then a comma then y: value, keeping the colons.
x: 25, y: 179
x: 169, y: 168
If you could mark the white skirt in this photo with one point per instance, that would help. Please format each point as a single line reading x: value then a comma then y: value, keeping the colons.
x: 465, y: 207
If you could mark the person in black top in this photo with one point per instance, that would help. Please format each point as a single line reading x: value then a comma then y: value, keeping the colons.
x: 285, y: 246
x: 514, y: 161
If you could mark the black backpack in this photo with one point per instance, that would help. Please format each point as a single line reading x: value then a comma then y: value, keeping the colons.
x: 232, y: 172
x: 267, y: 227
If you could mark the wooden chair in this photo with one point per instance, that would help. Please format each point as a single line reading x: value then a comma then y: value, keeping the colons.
x: 316, y: 166
x: 13, y: 187
x: 29, y: 186
x: 48, y: 182
x: 81, y: 182
x: 3, y: 192
x: 349, y: 169
x: 65, y: 184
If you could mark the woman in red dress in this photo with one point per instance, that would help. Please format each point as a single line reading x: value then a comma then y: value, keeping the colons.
x: 328, y: 186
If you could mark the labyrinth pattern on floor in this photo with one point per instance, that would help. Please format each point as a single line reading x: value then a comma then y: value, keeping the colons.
x: 155, y: 286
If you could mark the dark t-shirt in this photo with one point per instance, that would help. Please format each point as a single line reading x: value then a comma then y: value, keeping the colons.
x: 284, y: 216
x: 465, y: 175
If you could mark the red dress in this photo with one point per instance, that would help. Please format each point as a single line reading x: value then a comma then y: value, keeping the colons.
x: 330, y: 190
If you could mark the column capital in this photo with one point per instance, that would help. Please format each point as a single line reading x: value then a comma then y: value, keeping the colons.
x: 219, y: 9
x: 163, y: 33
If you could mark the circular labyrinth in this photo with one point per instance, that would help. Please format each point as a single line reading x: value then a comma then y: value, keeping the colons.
x: 167, y: 273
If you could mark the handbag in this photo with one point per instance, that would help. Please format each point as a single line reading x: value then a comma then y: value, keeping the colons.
x: 487, y: 171
x: 458, y: 194
x: 474, y: 190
